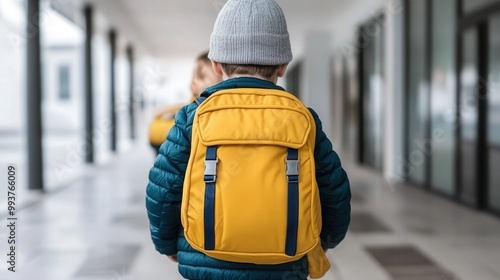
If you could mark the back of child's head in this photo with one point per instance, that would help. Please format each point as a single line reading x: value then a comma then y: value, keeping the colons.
x: 250, y: 37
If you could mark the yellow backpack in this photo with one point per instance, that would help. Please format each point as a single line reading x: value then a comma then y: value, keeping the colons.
x: 161, y: 125
x: 250, y: 193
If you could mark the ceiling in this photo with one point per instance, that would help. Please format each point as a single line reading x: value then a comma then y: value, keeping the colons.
x: 182, y: 28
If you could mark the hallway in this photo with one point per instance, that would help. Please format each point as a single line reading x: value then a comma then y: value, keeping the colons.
x: 407, y: 91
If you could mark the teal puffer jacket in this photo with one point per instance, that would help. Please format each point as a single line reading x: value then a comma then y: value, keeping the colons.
x: 164, y: 195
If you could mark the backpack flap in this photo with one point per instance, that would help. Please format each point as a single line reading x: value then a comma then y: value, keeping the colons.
x: 254, y: 125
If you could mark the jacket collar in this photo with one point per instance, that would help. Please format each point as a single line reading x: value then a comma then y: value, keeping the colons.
x: 241, y: 82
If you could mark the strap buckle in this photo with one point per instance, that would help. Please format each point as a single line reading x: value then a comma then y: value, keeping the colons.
x: 210, y: 174
x: 292, y: 170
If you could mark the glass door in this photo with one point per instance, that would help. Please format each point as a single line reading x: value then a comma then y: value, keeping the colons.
x: 494, y: 115
x: 468, y: 110
x: 442, y: 94
x: 418, y: 93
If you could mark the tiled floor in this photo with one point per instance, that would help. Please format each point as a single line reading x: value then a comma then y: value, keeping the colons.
x: 96, y: 229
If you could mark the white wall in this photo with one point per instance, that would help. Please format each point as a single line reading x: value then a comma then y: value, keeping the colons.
x: 316, y: 86
x: 12, y: 73
x: 62, y: 115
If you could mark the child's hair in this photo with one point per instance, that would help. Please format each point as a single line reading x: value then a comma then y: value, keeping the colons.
x: 204, y: 58
x: 265, y: 71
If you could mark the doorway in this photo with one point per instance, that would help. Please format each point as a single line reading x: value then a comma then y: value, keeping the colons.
x: 478, y: 113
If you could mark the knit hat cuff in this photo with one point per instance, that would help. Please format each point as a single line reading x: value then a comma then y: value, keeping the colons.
x: 256, y: 49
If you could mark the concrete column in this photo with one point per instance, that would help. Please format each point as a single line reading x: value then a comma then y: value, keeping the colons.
x: 112, y: 44
x: 130, y: 56
x: 34, y: 97
x: 89, y: 105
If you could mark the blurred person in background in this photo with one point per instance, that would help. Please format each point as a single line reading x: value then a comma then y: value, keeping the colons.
x: 203, y: 77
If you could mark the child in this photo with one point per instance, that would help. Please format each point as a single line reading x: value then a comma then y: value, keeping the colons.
x: 203, y: 77
x: 249, y: 49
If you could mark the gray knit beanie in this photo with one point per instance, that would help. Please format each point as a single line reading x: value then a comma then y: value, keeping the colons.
x: 251, y: 32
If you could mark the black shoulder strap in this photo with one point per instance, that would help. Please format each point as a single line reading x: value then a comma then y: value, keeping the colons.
x: 199, y: 100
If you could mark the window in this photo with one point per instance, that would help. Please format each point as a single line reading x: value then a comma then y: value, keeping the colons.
x: 418, y: 92
x: 443, y: 96
x: 64, y: 82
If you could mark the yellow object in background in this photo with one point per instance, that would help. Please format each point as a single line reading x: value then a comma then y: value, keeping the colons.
x: 161, y: 125
x: 159, y: 129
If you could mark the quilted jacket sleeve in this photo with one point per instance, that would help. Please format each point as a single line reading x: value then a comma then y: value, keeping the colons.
x: 334, y: 189
x: 166, y: 178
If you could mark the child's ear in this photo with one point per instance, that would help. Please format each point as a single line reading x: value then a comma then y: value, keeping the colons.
x: 217, y: 68
x: 281, y: 70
